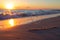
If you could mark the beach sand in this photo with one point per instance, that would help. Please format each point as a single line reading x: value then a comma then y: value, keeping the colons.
x: 47, y: 29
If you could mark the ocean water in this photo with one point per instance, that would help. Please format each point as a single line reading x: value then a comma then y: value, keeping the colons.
x: 37, y: 12
x: 25, y: 13
x: 34, y: 12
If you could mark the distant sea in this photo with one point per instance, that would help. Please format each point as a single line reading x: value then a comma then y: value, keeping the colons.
x: 34, y: 12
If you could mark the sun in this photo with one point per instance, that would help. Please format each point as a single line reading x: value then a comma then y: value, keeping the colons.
x: 9, y: 6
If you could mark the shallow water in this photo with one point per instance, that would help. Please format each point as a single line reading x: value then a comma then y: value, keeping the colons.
x: 6, y: 24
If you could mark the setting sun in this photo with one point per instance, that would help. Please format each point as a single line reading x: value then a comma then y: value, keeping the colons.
x: 9, y: 6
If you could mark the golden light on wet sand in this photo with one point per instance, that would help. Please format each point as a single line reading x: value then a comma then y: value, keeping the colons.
x: 7, y: 24
x: 11, y: 22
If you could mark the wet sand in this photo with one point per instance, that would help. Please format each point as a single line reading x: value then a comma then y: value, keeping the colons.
x: 47, y: 29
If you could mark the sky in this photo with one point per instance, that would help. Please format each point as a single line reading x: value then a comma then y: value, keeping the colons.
x: 32, y: 4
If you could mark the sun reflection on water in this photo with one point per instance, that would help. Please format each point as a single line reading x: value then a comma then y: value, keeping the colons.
x: 6, y: 24
x: 11, y: 22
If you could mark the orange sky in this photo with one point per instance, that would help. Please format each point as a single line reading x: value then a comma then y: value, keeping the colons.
x: 32, y: 4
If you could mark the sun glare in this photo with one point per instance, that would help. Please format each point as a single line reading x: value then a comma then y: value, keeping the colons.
x: 9, y: 6
x: 11, y: 22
